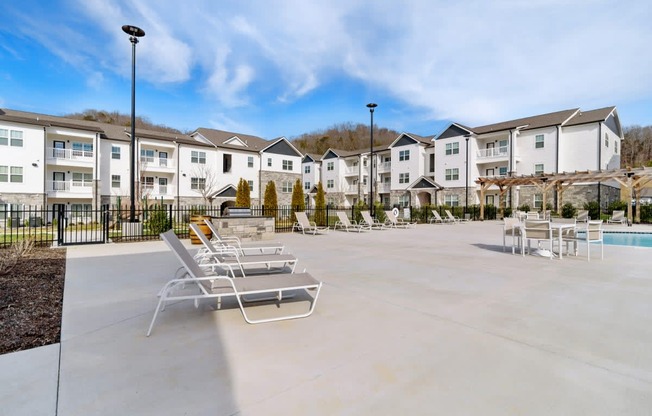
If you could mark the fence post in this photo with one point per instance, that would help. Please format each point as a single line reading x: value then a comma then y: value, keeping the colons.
x: 170, y: 222
x: 327, y: 216
x: 60, y: 226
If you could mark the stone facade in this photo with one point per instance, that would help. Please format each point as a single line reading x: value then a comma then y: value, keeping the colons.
x: 336, y: 198
x: 246, y: 228
x: 33, y: 200
x: 283, y: 198
x: 577, y: 195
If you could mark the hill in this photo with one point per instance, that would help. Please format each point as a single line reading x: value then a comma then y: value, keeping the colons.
x: 345, y: 136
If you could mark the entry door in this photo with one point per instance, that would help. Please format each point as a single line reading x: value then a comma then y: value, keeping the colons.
x: 490, y: 200
x: 163, y: 186
x: 59, y: 149
x: 163, y: 159
x: 58, y: 181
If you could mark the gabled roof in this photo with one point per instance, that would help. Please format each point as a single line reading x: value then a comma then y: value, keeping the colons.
x: 413, y: 137
x: 340, y: 153
x: 529, y: 123
x: 453, y: 130
x: 282, y: 141
x: 424, y: 182
x: 230, y: 140
x: 311, y: 157
x: 227, y: 191
x: 592, y: 116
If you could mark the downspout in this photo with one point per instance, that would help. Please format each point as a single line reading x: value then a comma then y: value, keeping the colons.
x: 45, y: 170
x: 97, y: 177
x: 599, y: 163
x: 511, y: 165
x: 178, y: 176
x: 558, y: 140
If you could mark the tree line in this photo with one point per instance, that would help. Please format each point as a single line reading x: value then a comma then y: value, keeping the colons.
x: 636, y: 150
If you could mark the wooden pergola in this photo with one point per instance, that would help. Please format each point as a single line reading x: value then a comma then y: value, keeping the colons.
x: 631, y: 180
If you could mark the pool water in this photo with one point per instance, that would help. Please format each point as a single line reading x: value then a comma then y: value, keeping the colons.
x: 628, y: 239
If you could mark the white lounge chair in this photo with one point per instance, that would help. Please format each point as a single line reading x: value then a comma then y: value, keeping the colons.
x: 455, y: 219
x: 511, y: 228
x: 617, y: 217
x: 582, y: 216
x: 228, y: 258
x: 373, y: 223
x: 246, y: 248
x: 436, y: 218
x: 395, y: 222
x: 304, y: 225
x: 347, y: 224
x: 217, y: 287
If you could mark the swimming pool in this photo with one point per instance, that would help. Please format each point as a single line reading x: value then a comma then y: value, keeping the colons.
x: 628, y: 239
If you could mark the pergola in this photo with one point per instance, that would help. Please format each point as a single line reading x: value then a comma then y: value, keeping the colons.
x: 631, y: 180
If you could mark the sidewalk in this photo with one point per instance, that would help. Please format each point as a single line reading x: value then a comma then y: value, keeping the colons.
x: 432, y: 320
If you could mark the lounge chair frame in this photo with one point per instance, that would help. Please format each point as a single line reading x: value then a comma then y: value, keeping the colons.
x: 345, y: 223
x: 304, y: 225
x: 372, y: 222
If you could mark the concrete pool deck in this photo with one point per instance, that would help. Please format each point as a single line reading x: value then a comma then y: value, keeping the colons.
x: 432, y: 320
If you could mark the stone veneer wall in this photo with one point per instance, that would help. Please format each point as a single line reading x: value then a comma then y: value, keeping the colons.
x: 577, y: 195
x: 33, y: 200
x: 246, y: 228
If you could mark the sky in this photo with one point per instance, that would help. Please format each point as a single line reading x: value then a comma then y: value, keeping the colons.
x: 275, y: 68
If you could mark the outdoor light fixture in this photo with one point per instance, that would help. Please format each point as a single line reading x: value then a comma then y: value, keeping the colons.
x: 134, y: 33
x: 371, y: 107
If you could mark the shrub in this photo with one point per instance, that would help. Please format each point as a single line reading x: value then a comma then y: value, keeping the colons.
x: 594, y: 209
x: 359, y: 207
x: 490, y: 212
x: 616, y: 206
x: 379, y: 210
x: 158, y: 221
x: 524, y: 208
x: 320, y: 205
x: 10, y: 257
x: 568, y: 210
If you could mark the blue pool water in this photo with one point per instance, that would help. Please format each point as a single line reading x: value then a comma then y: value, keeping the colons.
x: 628, y: 239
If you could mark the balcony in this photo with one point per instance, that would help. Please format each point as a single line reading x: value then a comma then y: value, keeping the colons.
x: 157, y: 164
x: 495, y: 153
x: 70, y: 157
x: 157, y: 191
x: 69, y: 189
x: 352, y: 171
x: 384, y: 188
x: 384, y: 167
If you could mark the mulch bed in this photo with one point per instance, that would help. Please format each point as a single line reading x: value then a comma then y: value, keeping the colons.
x: 31, y: 299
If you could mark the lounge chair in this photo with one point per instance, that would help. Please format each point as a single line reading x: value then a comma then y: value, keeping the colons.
x: 539, y: 230
x: 582, y: 216
x: 436, y: 218
x: 245, y: 248
x: 344, y: 222
x: 591, y: 234
x: 227, y: 258
x: 511, y: 228
x: 216, y: 287
x: 453, y: 218
x: 304, y: 225
x: 373, y: 223
x: 395, y: 222
x: 617, y: 217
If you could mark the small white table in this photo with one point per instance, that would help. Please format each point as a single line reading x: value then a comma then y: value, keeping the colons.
x: 560, y: 227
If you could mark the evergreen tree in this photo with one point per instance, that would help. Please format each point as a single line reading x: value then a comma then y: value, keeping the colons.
x: 270, y: 203
x: 320, y: 205
x: 298, y: 202
x: 243, y: 194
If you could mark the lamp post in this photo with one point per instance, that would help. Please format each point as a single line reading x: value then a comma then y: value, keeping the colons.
x: 466, y: 202
x: 134, y: 33
x: 371, y: 107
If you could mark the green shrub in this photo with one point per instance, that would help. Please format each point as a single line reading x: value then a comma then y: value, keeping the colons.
x: 158, y: 221
x: 594, y: 209
x: 357, y: 209
x: 616, y: 206
x: 524, y: 208
x: 379, y: 210
x: 568, y: 210
x: 490, y: 211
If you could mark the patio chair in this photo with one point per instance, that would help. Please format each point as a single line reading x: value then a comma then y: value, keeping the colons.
x: 227, y: 258
x: 452, y: 218
x: 531, y: 215
x: 539, y: 230
x: 617, y: 217
x: 304, y: 225
x: 395, y: 222
x: 344, y: 222
x: 591, y: 234
x: 437, y: 219
x: 245, y: 248
x: 511, y: 228
x: 582, y: 215
x: 216, y: 287
x: 373, y: 223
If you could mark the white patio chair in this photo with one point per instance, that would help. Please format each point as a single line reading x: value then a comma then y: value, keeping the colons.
x: 245, y: 248
x: 368, y: 220
x: 539, y: 230
x: 216, y: 287
x: 617, y: 217
x: 304, y: 225
x: 395, y: 222
x: 455, y: 219
x: 347, y: 224
x: 511, y: 228
x: 436, y: 218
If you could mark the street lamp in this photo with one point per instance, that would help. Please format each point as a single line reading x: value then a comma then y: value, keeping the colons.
x: 371, y: 107
x: 466, y: 202
x: 134, y: 33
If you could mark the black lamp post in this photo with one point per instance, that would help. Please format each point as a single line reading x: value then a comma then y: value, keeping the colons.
x: 134, y: 33
x: 371, y: 107
x: 466, y: 202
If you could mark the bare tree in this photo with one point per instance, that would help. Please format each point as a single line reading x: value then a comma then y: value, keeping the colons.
x: 206, y: 182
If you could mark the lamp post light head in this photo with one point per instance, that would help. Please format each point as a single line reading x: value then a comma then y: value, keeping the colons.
x: 133, y: 31
x: 371, y: 106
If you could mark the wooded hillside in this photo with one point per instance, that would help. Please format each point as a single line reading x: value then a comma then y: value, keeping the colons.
x: 344, y: 136
x: 113, y: 117
x: 637, y: 147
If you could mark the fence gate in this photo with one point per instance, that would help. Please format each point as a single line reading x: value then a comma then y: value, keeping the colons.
x: 87, y: 227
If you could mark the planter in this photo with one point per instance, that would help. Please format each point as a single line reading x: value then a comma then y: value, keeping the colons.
x: 199, y: 220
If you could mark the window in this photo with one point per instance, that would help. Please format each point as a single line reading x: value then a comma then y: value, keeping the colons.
x: 330, y: 166
x: 251, y: 185
x: 17, y: 138
x: 269, y: 162
x: 502, y: 171
x: 538, y: 141
x: 330, y: 184
x: 606, y: 140
x: 306, y: 169
x: 197, y: 184
x: 4, y: 137
x: 404, y: 177
x: 615, y: 147
x: 115, y: 181
x: 489, y: 172
x: 147, y: 183
x: 287, y: 165
x: 250, y: 161
x: 198, y: 157
x: 453, y: 148
x: 451, y: 200
x: 431, y: 162
x: 226, y: 163
x: 306, y: 186
x: 286, y: 187
x: 4, y: 173
x: 452, y: 174
x: 115, y: 152
x: 403, y: 201
x: 538, y: 201
x: 404, y: 155
x: 538, y: 169
x: 82, y: 149
x: 82, y: 179
x: 147, y: 155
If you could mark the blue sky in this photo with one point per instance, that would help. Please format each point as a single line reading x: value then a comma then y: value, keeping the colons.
x: 283, y: 68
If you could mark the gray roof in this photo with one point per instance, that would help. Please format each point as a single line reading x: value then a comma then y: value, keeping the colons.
x: 529, y: 123
x: 219, y: 137
x: 592, y: 116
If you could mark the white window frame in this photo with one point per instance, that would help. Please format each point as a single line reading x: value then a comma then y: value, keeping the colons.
x: 539, y: 141
x: 251, y: 186
x: 403, y: 155
x: 452, y: 174
x: 306, y: 169
x: 82, y: 179
x: 197, y: 183
x: 539, y: 171
x: 330, y: 165
x: 197, y: 157
x: 286, y: 187
x: 287, y: 165
x: 538, y: 201
x: 4, y: 173
x: 502, y: 171
x: 4, y: 137
x: 452, y: 200
x: 452, y: 148
x: 330, y: 184
x: 14, y: 140
x: 115, y: 152
x: 306, y: 186
x: 606, y: 140
x: 115, y: 181
x: 269, y: 162
x: 404, y: 177
x: 250, y: 161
